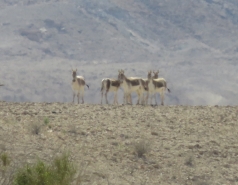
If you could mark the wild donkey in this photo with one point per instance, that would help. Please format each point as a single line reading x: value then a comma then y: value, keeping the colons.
x: 146, y: 91
x: 112, y: 85
x: 156, y: 85
x: 77, y: 85
x: 131, y: 84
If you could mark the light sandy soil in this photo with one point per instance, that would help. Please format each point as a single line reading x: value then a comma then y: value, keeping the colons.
x: 186, y: 144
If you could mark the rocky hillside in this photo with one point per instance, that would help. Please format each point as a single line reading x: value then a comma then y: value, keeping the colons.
x: 124, y: 144
x: 192, y: 43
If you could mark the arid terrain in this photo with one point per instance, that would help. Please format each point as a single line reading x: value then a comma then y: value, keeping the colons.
x: 183, y: 144
x: 192, y: 140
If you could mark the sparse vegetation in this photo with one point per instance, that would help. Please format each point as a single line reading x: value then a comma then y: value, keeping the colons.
x: 116, y: 146
x: 189, y: 160
x: 60, y: 172
x: 5, y: 159
x: 36, y: 128
x: 141, y: 148
x: 46, y: 120
x: 63, y: 169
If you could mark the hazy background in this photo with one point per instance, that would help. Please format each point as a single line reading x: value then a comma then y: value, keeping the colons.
x: 194, y: 44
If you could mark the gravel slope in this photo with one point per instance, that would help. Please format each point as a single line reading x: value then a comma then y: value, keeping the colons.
x: 186, y: 144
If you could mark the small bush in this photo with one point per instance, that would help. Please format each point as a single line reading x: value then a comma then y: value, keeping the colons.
x: 189, y: 161
x: 35, y: 129
x: 63, y: 169
x: 5, y: 159
x: 141, y: 148
x: 46, y: 121
x: 60, y: 172
x: 38, y: 174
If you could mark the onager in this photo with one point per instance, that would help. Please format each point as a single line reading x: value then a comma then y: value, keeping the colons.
x: 145, y: 93
x: 156, y: 85
x: 145, y: 97
x: 131, y: 84
x: 110, y: 85
x: 77, y: 85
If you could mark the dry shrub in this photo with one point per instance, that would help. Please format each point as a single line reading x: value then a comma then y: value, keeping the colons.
x: 36, y: 128
x: 141, y: 148
x: 189, y: 161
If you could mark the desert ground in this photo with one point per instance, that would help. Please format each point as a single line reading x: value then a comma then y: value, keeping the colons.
x: 192, y: 43
x: 124, y: 144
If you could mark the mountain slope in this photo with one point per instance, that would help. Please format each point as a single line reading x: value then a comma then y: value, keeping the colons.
x: 192, y: 43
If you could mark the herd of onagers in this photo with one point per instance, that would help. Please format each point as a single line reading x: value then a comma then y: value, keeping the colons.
x: 144, y: 88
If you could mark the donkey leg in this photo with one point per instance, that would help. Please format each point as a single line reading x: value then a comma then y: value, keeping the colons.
x: 151, y: 96
x: 130, y: 99
x: 78, y: 97
x: 73, y: 97
x: 116, y: 98
x: 147, y: 97
x: 82, y: 94
x: 124, y: 98
x: 106, y: 97
x: 155, y: 99
x: 142, y: 102
x: 139, y: 97
x: 127, y: 96
x: 162, y: 97
x: 101, y: 96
